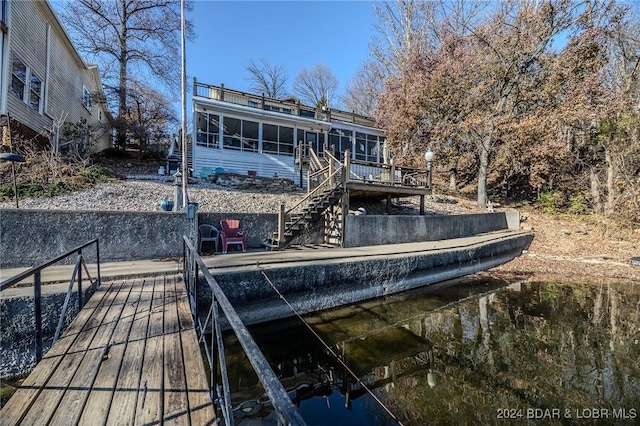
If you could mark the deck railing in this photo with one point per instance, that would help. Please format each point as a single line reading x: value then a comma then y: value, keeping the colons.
x: 289, y: 107
x: 193, y: 268
x: 389, y: 174
x: 36, y: 271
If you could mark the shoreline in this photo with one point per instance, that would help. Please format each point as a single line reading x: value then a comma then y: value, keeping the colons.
x: 563, y: 245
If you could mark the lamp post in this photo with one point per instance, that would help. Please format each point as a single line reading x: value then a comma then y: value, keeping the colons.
x: 428, y: 156
x: 177, y: 193
x: 14, y: 158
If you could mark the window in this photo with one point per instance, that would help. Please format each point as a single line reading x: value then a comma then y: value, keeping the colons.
x: 254, y: 104
x: 207, y: 132
x: 18, y: 77
x: 372, y: 148
x: 4, y: 15
x: 87, y: 99
x: 286, y: 140
x: 25, y: 84
x: 341, y: 140
x: 232, y: 128
x: 277, y: 139
x: 361, y: 146
x: 249, y: 136
x: 240, y: 134
x: 35, y: 95
x: 270, y: 138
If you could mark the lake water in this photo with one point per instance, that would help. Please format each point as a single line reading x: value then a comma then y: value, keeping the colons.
x: 479, y: 352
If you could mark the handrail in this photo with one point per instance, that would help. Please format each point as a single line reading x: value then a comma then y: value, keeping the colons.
x: 331, y: 157
x: 314, y: 157
x: 322, y: 185
x: 37, y: 288
x: 319, y: 172
x: 21, y: 276
x: 193, y: 265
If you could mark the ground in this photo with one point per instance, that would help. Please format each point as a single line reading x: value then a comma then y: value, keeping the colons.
x: 583, y: 246
x: 586, y: 246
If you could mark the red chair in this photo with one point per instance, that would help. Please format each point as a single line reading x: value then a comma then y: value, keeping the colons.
x: 231, y: 233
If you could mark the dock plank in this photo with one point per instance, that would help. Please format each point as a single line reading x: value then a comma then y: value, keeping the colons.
x: 128, y: 386
x: 150, y: 402
x: 52, y: 390
x: 176, y: 405
x: 105, y: 382
x: 130, y: 357
x: 22, y: 400
x: 72, y: 403
x: 201, y: 410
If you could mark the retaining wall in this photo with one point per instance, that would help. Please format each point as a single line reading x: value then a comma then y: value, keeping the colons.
x: 31, y: 237
x: 375, y: 230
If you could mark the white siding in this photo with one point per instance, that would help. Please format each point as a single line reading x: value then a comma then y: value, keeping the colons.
x: 65, y: 75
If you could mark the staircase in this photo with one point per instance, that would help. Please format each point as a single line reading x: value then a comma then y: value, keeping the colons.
x: 325, y: 190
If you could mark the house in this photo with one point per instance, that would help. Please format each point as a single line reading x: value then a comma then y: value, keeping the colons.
x: 240, y: 132
x: 45, y: 82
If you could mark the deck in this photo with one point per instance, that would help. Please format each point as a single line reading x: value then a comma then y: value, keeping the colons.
x: 130, y: 357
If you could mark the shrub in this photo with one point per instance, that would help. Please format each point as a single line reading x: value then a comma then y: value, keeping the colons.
x: 547, y: 202
x: 578, y: 204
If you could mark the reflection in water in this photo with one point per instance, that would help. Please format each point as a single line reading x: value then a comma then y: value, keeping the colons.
x: 477, y: 353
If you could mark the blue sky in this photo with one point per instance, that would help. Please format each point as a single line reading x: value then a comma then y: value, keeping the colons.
x: 295, y: 34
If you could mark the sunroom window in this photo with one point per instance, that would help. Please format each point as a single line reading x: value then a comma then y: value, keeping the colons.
x: 277, y: 139
x: 207, y: 130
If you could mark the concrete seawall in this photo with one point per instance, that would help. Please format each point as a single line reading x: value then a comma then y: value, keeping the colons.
x: 383, y: 255
x: 31, y: 237
x: 350, y: 277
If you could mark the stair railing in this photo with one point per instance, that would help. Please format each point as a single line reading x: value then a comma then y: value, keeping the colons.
x: 36, y: 271
x: 324, y: 186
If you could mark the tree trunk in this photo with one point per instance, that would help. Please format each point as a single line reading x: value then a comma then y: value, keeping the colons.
x: 453, y: 186
x: 122, y: 79
x: 611, y: 189
x: 595, y: 191
x: 484, y: 166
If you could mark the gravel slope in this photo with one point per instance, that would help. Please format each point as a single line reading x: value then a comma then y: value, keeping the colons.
x: 144, y: 193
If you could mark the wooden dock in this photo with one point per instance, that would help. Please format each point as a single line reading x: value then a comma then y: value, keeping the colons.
x: 131, y: 357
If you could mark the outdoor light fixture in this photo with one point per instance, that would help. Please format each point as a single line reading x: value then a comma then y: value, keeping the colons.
x: 428, y: 156
x: 14, y: 158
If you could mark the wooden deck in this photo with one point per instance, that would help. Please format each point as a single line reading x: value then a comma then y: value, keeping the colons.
x: 130, y: 357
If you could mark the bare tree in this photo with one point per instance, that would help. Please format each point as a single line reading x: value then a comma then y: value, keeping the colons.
x: 363, y: 89
x: 125, y: 37
x: 150, y: 114
x: 316, y: 86
x: 268, y: 79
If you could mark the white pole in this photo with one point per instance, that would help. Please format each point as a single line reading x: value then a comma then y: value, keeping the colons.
x: 185, y: 174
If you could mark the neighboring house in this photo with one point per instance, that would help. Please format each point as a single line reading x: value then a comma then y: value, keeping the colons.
x: 240, y: 132
x: 45, y: 81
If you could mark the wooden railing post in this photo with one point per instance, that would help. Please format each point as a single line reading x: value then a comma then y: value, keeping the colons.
x: 281, y: 220
x: 331, y: 170
x: 392, y: 179
x: 347, y: 166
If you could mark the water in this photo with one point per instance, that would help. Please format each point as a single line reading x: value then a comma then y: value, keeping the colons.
x: 482, y: 352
